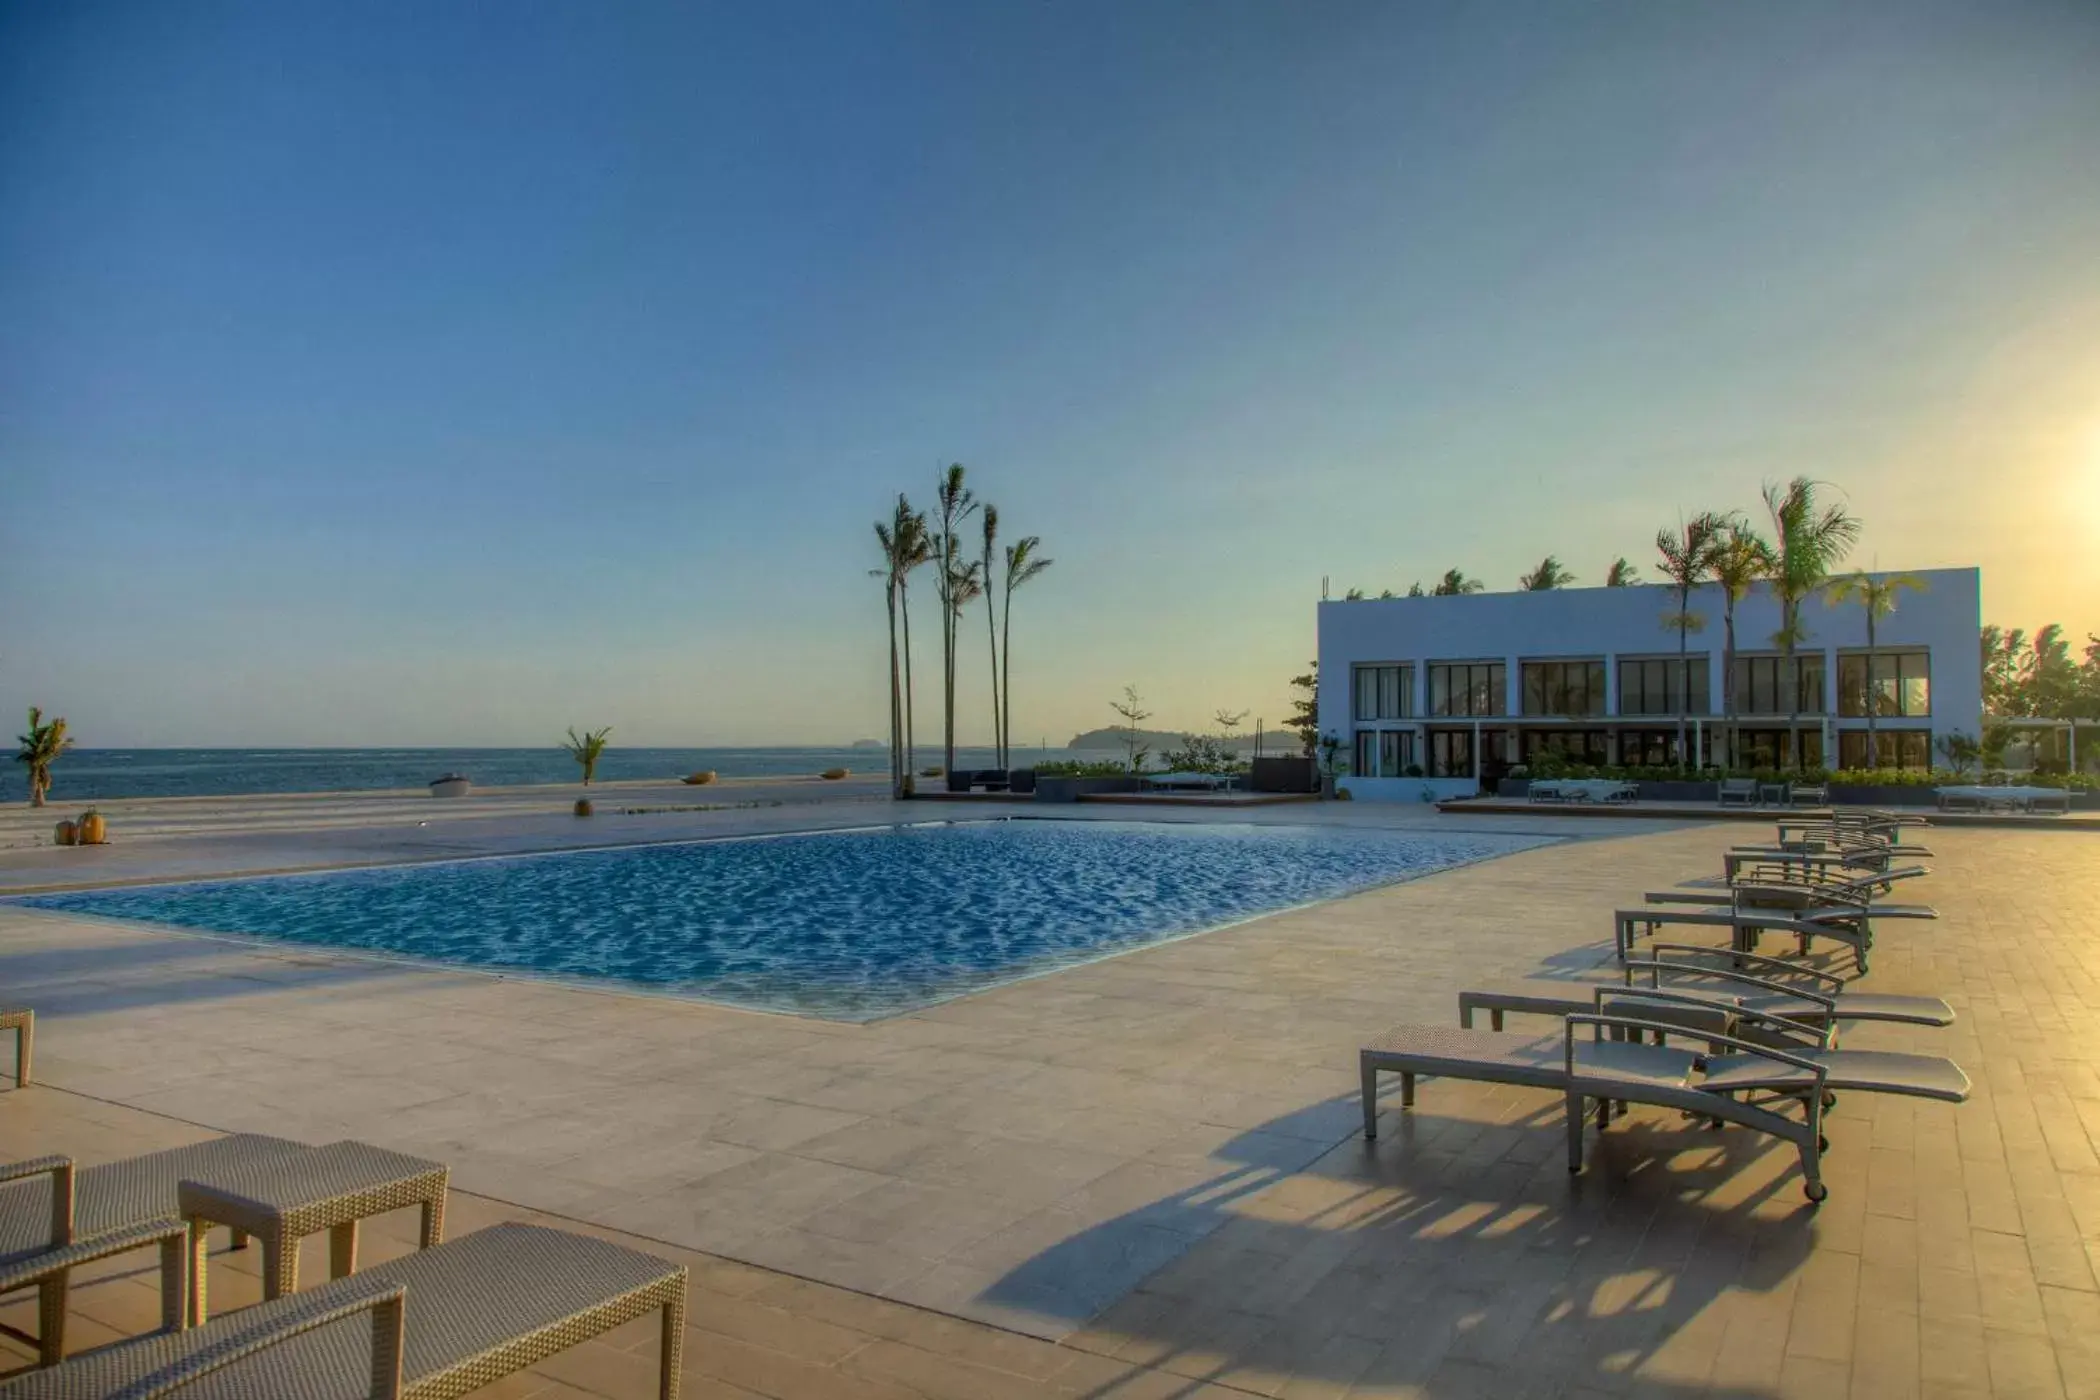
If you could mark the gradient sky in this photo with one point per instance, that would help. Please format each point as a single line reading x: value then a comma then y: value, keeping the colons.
x: 454, y: 373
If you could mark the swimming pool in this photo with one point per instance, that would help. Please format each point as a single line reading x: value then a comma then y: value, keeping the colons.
x: 848, y: 925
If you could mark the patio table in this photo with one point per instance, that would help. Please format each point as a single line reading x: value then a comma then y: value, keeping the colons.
x: 284, y: 1199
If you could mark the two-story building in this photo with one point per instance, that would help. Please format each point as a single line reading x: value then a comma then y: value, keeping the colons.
x: 1460, y: 688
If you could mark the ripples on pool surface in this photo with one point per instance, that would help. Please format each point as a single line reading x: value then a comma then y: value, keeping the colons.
x: 850, y: 925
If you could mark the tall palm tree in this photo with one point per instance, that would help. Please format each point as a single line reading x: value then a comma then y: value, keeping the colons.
x: 1809, y: 539
x: 986, y: 569
x: 1622, y: 574
x: 954, y: 504
x: 887, y: 538
x: 965, y: 586
x: 39, y: 749
x: 1550, y: 573
x: 1877, y: 598
x: 1687, y: 558
x: 1022, y: 564
x: 1455, y: 582
x: 1740, y: 558
x: 914, y: 548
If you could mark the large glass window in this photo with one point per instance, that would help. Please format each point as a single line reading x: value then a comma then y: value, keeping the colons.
x: 1896, y: 683
x: 1657, y: 748
x: 1766, y: 748
x: 1384, y: 753
x: 1591, y: 746
x: 1468, y: 688
x: 1656, y: 687
x: 1760, y: 685
x: 1384, y: 692
x: 1893, y: 748
x: 1564, y: 687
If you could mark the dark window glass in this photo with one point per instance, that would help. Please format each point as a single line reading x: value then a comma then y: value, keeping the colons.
x: 1366, y: 763
x: 1467, y: 689
x: 1440, y: 690
x: 1564, y: 687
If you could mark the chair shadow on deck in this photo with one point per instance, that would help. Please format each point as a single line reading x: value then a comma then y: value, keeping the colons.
x: 1457, y: 1255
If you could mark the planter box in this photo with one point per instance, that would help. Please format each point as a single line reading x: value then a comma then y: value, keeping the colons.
x: 1072, y: 789
x: 451, y: 787
x: 1882, y: 795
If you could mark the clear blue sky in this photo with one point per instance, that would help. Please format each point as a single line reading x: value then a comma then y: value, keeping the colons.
x: 453, y: 373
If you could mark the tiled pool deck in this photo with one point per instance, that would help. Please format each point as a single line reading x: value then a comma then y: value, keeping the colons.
x: 1143, y: 1172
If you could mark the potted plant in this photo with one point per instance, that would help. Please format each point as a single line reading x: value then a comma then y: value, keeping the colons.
x: 834, y: 774
x: 66, y: 834
x: 583, y: 807
x: 1331, y: 766
x: 451, y: 785
x: 587, y: 748
x: 91, y: 829
x: 700, y: 779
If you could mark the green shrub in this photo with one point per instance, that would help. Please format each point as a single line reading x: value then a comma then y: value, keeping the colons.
x: 1094, y: 768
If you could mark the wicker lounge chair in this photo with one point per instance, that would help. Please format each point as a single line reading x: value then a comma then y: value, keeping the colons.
x: 23, y: 1024
x: 54, y: 1218
x: 442, y: 1322
x: 1768, y: 893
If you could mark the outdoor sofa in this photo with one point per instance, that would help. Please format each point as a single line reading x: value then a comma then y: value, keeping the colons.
x: 1738, y: 792
x: 438, y: 1323
x: 1582, y: 790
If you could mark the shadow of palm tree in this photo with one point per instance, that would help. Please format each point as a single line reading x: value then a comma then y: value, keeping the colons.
x: 1456, y: 1254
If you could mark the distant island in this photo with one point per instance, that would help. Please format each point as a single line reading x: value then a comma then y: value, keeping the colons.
x: 867, y: 744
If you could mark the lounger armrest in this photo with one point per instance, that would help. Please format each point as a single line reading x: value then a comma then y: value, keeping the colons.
x: 1792, y: 968
x: 1599, y: 1022
x: 60, y: 1170
x: 1656, y: 967
x: 66, y: 1256
x: 280, y: 1321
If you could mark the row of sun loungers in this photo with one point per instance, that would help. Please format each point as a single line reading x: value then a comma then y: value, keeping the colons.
x: 441, y: 1322
x: 1725, y: 1035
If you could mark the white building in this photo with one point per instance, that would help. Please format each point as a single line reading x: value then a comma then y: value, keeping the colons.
x: 1461, y: 688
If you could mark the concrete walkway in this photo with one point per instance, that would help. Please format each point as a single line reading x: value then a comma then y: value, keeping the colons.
x: 1153, y: 1158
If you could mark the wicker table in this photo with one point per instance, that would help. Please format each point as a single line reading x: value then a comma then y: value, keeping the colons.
x: 283, y: 1200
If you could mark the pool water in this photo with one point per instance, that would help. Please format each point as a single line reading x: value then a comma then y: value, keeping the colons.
x: 850, y: 925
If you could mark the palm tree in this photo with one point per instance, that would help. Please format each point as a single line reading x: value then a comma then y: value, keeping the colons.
x: 587, y: 748
x: 2001, y: 667
x: 1550, y: 573
x: 1454, y: 582
x: 965, y: 585
x: 986, y: 571
x: 1022, y: 564
x: 1809, y: 539
x: 1622, y: 574
x: 1687, y: 559
x: 899, y: 537
x: 40, y: 748
x: 909, y: 538
x: 953, y: 504
x: 1877, y: 598
x: 1740, y: 558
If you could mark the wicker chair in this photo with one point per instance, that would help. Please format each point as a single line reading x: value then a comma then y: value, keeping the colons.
x: 54, y: 1218
x: 23, y: 1024
x: 441, y: 1322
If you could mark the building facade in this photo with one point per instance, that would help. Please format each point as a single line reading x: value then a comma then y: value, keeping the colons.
x: 1460, y: 689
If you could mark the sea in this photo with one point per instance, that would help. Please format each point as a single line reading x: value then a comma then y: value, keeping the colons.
x: 94, y: 775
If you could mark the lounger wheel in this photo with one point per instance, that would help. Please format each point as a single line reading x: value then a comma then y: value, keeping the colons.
x: 1822, y: 1144
x: 1815, y: 1191
x: 1830, y: 1100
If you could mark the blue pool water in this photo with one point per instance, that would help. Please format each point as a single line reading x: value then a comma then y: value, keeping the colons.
x: 849, y: 925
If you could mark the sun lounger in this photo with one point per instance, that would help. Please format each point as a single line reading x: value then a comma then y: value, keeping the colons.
x: 23, y: 1024
x: 1766, y: 895
x: 442, y: 1322
x: 1732, y: 1080
x: 1753, y: 983
x: 1747, y: 923
x: 54, y: 1218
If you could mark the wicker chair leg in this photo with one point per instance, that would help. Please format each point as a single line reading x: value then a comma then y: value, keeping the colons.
x: 280, y: 1266
x: 199, y: 1307
x: 673, y: 1345
x: 434, y: 1220
x: 51, y: 1319
x: 174, y: 1283
x: 342, y: 1250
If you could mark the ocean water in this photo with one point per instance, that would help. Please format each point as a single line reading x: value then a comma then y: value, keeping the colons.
x: 848, y: 925
x: 94, y: 775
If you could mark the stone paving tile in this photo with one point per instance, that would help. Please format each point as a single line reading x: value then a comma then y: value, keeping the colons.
x: 1224, y: 1232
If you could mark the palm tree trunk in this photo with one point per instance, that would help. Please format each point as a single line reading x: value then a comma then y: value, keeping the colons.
x: 1728, y: 685
x: 896, y: 701
x: 1873, y: 749
x: 948, y: 685
x: 991, y: 630
x: 911, y: 761
x: 1684, y: 642
x: 1006, y: 665
x: 1792, y: 670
